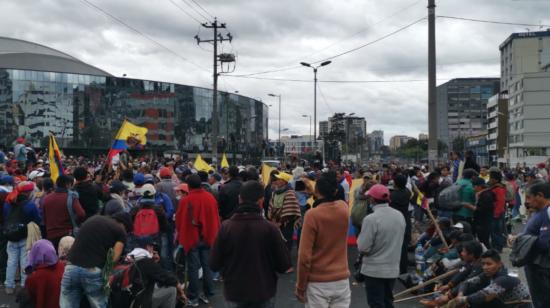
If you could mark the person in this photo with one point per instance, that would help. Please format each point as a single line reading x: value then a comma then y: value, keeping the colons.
x: 182, y: 190
x: 117, y: 202
x: 229, y: 193
x: 64, y: 247
x: 400, y: 198
x: 197, y: 224
x: 537, y: 271
x: 484, y: 173
x: 470, y: 161
x: 446, y: 178
x: 360, y: 206
x: 6, y: 188
x: 467, y: 197
x: 457, y: 166
x: 249, y: 252
x: 380, y: 242
x: 343, y: 184
x: 154, y: 286
x: 88, y: 257
x: 45, y: 271
x: 498, y: 239
x: 492, y: 288
x: 90, y: 194
x: 322, y: 257
x: 55, y: 210
x: 166, y: 184
x: 515, y: 203
x: 17, y: 214
x: 214, y: 181
x: 284, y: 209
x: 20, y: 152
x: 204, y: 181
x: 483, y: 211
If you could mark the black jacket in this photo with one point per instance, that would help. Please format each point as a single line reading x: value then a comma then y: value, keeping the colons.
x: 89, y: 195
x: 229, y: 198
x: 145, y: 274
x: 249, y: 251
x: 484, y: 212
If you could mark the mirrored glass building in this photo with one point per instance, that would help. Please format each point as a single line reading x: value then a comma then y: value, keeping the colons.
x: 43, y: 90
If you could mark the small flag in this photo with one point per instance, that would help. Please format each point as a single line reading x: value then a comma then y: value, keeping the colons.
x: 224, y: 163
x: 266, y: 172
x: 201, y: 165
x: 422, y: 201
x: 129, y: 136
x: 54, y: 156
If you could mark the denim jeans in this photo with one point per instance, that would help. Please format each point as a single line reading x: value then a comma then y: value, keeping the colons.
x: 166, y: 251
x: 498, y: 238
x: 197, y: 258
x: 77, y: 282
x: 17, y: 256
x: 538, y: 279
x: 270, y: 303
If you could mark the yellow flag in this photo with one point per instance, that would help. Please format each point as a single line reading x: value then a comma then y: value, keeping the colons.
x: 224, y: 163
x: 201, y: 165
x: 54, y: 156
x: 419, y: 198
x: 132, y: 135
x: 266, y: 171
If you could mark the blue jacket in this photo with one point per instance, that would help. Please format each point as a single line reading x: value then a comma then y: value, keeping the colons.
x: 29, y: 209
x: 164, y: 199
x: 539, y: 226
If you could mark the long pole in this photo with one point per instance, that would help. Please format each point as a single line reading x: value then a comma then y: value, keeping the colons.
x: 279, y: 119
x: 310, y: 136
x: 215, y: 98
x: 432, y: 100
x: 315, y: 109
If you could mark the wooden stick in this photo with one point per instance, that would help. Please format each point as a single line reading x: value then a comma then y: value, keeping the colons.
x: 523, y: 301
x: 413, y: 297
x: 420, y: 286
x: 437, y: 228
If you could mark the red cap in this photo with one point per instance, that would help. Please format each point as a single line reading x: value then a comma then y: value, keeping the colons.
x: 541, y: 165
x: 20, y: 140
x: 165, y: 172
x: 25, y: 186
x: 183, y: 187
x: 379, y: 192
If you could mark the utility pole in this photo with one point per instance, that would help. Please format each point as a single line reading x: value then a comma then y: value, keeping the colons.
x: 218, y: 38
x: 432, y: 94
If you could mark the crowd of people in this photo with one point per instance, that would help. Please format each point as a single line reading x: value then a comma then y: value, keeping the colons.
x: 157, y: 232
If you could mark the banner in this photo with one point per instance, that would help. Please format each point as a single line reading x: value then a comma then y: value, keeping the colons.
x: 54, y: 156
x: 129, y: 136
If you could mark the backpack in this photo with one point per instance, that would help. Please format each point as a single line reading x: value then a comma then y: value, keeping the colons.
x: 71, y: 195
x: 15, y: 228
x: 146, y: 223
x: 121, y: 283
x: 449, y: 198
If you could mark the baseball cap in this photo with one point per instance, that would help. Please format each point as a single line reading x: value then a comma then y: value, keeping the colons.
x: 379, y: 192
x: 6, y: 180
x: 165, y: 172
x: 117, y: 186
x: 25, y: 186
x: 36, y: 173
x: 139, y: 179
x: 283, y: 176
x: 148, y: 192
x: 182, y: 187
x: 458, y: 226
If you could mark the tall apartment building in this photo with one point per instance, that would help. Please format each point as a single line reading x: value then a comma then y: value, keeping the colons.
x: 376, y: 141
x: 398, y: 141
x: 323, y: 128
x: 462, y: 107
x: 422, y: 136
x: 355, y: 130
x: 525, y: 76
x: 497, y: 128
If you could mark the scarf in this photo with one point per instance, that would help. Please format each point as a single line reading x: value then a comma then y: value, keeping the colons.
x: 42, y: 254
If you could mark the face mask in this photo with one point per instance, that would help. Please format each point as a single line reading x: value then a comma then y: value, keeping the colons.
x: 178, y: 197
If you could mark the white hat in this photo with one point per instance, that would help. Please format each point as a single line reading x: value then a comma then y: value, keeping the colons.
x: 148, y: 191
x: 36, y: 173
x: 459, y: 226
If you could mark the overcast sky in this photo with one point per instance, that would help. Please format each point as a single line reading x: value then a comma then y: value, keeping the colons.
x: 270, y: 35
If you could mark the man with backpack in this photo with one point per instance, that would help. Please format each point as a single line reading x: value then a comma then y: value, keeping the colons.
x: 198, y: 223
x: 60, y: 216
x: 17, y: 214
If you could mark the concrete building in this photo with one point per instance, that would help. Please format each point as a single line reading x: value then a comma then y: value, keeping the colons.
x: 497, y: 128
x: 398, y: 141
x: 298, y: 145
x: 355, y: 131
x: 323, y: 128
x: 529, y: 118
x: 422, y: 136
x: 478, y: 145
x: 462, y: 107
x: 375, y: 141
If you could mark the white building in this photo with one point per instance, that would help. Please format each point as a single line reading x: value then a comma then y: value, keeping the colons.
x: 298, y: 145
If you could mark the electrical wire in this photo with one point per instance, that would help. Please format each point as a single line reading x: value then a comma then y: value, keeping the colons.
x: 346, y: 81
x: 120, y: 21
x: 184, y: 11
x: 195, y: 10
x: 202, y: 8
x: 492, y: 21
x: 324, y: 99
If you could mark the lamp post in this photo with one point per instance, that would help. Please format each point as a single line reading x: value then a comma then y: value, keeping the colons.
x: 315, y: 97
x: 505, y: 116
x: 279, y: 96
x: 310, y: 136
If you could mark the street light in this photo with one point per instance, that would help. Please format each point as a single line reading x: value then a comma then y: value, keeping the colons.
x: 315, y: 97
x: 310, y: 136
x: 279, y: 96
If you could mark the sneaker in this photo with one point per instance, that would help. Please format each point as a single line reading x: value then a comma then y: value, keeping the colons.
x: 204, y: 299
x: 10, y: 291
x: 193, y: 302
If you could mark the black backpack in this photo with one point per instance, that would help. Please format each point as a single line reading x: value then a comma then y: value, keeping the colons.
x: 15, y: 228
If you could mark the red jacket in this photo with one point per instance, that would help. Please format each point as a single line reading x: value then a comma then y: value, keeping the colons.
x: 500, y: 201
x: 44, y: 285
x: 197, y: 219
x: 56, y: 216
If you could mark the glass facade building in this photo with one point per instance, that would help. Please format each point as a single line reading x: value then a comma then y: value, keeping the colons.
x: 85, y: 111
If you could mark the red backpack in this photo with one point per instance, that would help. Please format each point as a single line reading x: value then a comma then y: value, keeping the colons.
x: 146, y: 223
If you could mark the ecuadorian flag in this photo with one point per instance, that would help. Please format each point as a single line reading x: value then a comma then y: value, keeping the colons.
x: 129, y: 136
x: 54, y: 156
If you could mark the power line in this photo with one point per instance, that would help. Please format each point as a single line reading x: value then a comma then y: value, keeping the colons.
x: 202, y: 8
x: 120, y: 21
x: 184, y: 11
x: 492, y: 21
x: 343, y: 81
x: 371, y: 42
x: 324, y: 100
x: 194, y: 9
